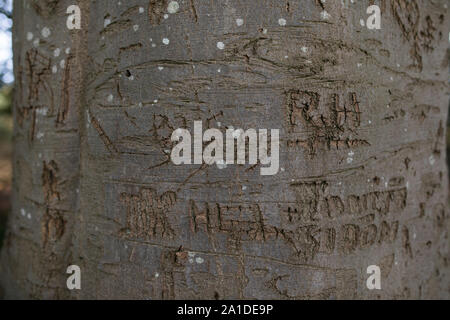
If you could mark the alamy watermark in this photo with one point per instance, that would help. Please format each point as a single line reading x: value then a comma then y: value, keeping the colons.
x: 74, y: 280
x: 238, y: 144
x: 374, y: 280
x: 74, y: 18
x: 373, y: 22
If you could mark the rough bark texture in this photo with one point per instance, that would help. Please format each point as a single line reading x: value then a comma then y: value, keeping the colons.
x: 362, y: 117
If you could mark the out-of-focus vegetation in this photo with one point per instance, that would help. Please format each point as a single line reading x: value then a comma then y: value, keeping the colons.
x: 5, y: 155
x: 6, y: 88
x: 5, y: 99
x: 5, y: 112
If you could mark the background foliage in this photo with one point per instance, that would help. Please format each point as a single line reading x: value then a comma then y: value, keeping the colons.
x: 6, y: 89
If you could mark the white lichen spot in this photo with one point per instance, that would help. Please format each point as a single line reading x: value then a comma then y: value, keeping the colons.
x: 239, y: 22
x: 199, y: 260
x: 359, y: 65
x: 57, y: 52
x: 350, y: 157
x: 45, y: 32
x: 244, y: 188
x: 325, y: 15
x: 219, y: 70
x: 42, y: 111
x: 220, y: 45
x: 30, y: 36
x: 282, y: 22
x: 136, y: 27
x: 62, y: 64
x: 361, y: 22
x: 110, y: 98
x: 141, y: 10
x: 36, y: 42
x: 304, y: 49
x: 29, y: 216
x: 67, y: 50
x: 166, y: 41
x: 156, y: 275
x: 191, y: 254
x: 155, y: 101
x: 173, y: 7
x: 264, y: 31
x: 432, y: 160
x: 166, y: 16
x: 221, y: 164
x: 160, y: 68
x: 55, y: 69
x: 23, y: 212
x: 107, y: 22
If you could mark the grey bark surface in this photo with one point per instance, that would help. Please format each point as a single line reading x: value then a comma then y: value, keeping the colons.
x: 363, y: 177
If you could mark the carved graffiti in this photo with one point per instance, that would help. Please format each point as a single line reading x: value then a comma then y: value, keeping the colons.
x: 147, y: 214
x: 328, y: 124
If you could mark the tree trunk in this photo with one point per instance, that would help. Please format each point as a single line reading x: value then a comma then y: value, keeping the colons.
x: 362, y: 179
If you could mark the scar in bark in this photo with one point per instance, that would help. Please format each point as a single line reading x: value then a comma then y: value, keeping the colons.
x: 106, y: 140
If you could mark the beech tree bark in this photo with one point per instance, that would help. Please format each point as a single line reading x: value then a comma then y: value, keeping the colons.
x: 362, y: 180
